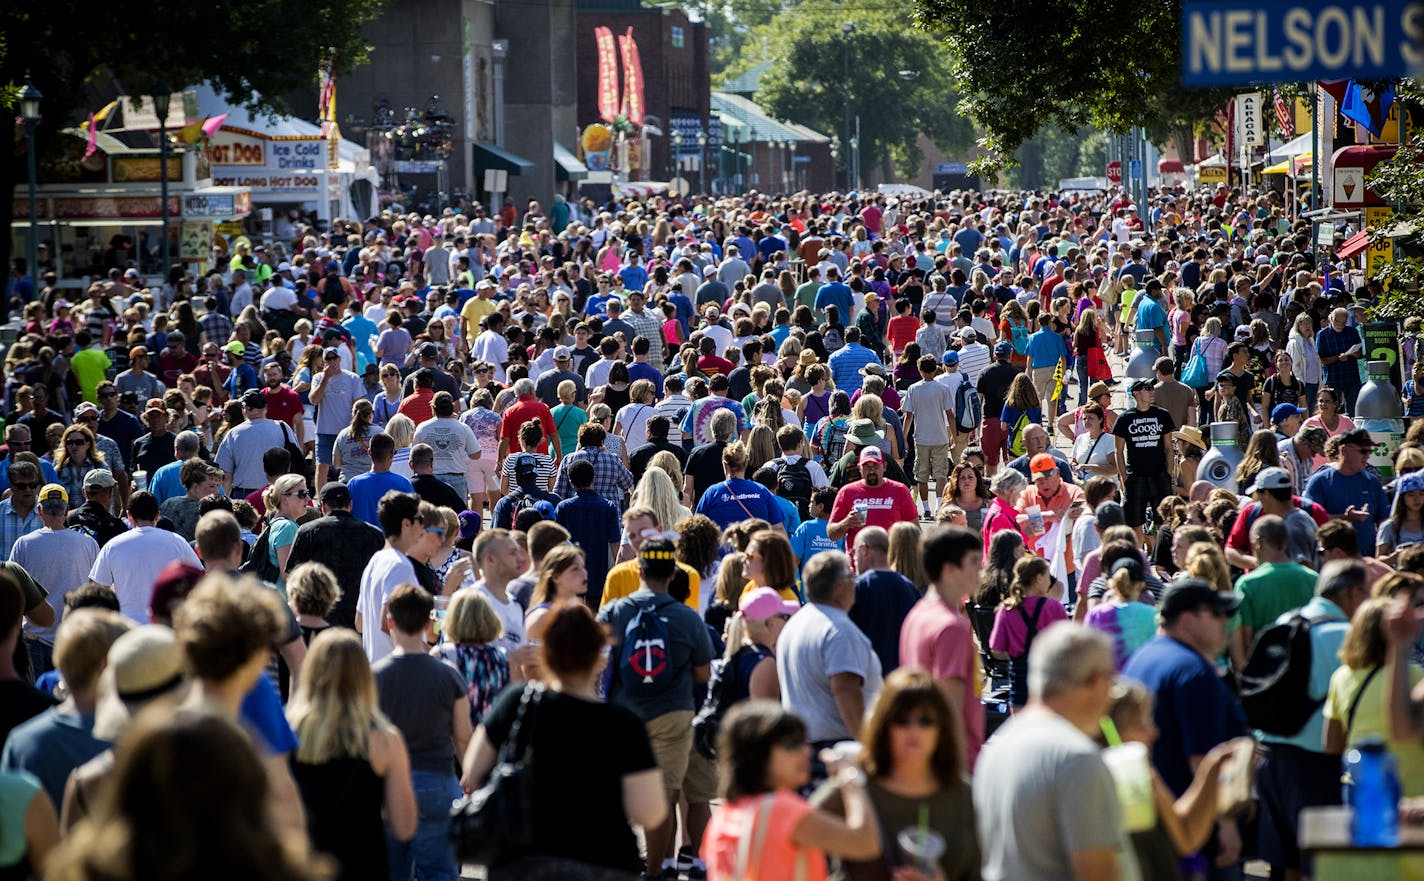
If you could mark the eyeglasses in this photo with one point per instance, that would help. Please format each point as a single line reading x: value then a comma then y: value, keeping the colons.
x: 77, y: 442
x: 21, y: 487
x: 301, y: 494
x: 920, y: 720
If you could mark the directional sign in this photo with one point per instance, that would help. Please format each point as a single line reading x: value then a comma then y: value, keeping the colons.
x: 1240, y: 42
x: 1134, y: 169
x: 1114, y: 174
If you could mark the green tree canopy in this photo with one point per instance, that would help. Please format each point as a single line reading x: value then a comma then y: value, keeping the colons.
x: 821, y: 77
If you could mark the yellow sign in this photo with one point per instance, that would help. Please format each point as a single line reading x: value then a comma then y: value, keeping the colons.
x: 1211, y: 174
x: 1381, y: 252
x: 1389, y: 132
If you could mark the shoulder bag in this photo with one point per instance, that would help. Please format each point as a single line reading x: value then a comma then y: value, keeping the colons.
x: 1194, y: 374
x: 495, y: 823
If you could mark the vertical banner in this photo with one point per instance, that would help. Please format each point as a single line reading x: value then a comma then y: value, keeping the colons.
x: 1252, y: 131
x: 327, y: 111
x: 1381, y: 252
x: 632, y: 78
x: 607, y: 74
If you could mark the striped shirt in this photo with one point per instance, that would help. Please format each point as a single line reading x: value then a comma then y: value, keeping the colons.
x: 846, y: 364
x: 973, y: 359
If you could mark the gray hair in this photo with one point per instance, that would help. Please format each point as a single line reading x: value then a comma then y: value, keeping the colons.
x: 724, y: 425
x: 1067, y: 656
x: 822, y: 573
x: 1008, y: 481
x: 524, y: 388
x: 1339, y: 577
x: 187, y: 442
x: 874, y: 537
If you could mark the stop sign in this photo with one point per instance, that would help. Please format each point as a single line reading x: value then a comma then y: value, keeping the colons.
x: 1115, y: 172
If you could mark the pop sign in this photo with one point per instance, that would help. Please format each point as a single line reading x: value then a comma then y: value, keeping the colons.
x: 1241, y: 42
x: 1115, y: 172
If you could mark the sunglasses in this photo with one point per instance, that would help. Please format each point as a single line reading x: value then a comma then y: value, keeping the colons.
x: 24, y: 486
x: 436, y: 530
x: 915, y: 720
x: 25, y: 443
x: 76, y: 442
x: 301, y: 494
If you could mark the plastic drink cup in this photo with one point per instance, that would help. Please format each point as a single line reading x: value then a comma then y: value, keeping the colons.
x: 1131, y: 770
x: 862, y: 507
x: 437, y: 615
x: 921, y: 848
x: 1035, y: 517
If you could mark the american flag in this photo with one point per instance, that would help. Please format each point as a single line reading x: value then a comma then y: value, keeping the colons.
x: 1284, y: 115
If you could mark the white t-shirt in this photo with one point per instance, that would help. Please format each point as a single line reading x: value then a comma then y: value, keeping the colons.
x: 131, y: 561
x: 511, y: 615
x: 491, y: 346
x: 453, y: 441
x: 721, y: 335
x: 387, y: 569
x: 634, y: 419
x: 279, y: 299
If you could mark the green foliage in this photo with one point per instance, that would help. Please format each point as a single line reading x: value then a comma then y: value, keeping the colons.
x: 1029, y: 65
x: 1401, y: 181
x: 731, y: 30
x: 821, y: 77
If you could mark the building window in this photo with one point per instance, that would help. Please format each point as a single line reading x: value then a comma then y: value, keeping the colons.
x: 677, y: 37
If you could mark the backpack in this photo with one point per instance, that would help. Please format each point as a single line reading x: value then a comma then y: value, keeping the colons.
x: 644, y: 666
x: 259, y: 563
x: 1020, y: 335
x: 1275, y: 683
x: 833, y: 339
x: 793, y: 483
x: 1016, y: 441
x: 834, y: 446
x: 722, y: 693
x: 968, y: 407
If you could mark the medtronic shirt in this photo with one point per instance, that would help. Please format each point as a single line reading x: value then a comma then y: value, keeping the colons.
x: 736, y: 499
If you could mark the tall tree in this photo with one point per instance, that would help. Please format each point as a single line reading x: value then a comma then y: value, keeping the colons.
x: 896, y: 79
x: 64, y: 44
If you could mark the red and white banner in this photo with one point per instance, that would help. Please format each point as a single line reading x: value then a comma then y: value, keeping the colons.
x: 607, y: 74
x: 632, y: 79
x: 1284, y: 116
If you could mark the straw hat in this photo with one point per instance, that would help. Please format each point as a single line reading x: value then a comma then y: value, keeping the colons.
x: 145, y: 665
x: 1191, y: 434
x: 807, y: 358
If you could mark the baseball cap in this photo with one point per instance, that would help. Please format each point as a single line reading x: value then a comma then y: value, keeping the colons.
x: 1281, y: 412
x: 138, y: 352
x: 335, y: 493
x: 85, y: 409
x: 951, y: 357
x: 709, y: 271
x: 331, y: 352
x: 144, y: 665
x: 235, y: 348
x: 1227, y: 377
x: 545, y: 507
x: 176, y: 337
x: 130, y: 273
x: 283, y: 266
x: 99, y: 477
x: 1042, y: 463
x: 1270, y: 478
x: 1142, y: 385
x: 1132, y: 566
x: 525, y: 465
x: 53, y: 492
x: 429, y: 350
x: 1109, y: 514
x: 562, y: 353
x: 1188, y: 594
x: 871, y: 454
x: 1357, y: 437
x: 764, y: 602
x: 469, y: 524
x: 254, y: 400
x: 1003, y: 350
x: 968, y: 334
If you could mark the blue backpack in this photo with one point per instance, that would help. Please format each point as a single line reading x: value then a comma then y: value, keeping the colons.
x: 1020, y: 336
x: 968, y: 407
x: 645, y: 658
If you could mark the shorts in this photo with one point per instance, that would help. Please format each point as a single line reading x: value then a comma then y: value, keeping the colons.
x: 1143, y: 491
x: 992, y: 439
x: 931, y: 460
x: 481, y: 475
x: 325, y: 443
x: 1290, y: 780
x: 456, y: 482
x: 699, y: 785
x: 671, y: 734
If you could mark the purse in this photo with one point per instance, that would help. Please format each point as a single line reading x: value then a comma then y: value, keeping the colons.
x: 495, y: 823
x: 1194, y: 375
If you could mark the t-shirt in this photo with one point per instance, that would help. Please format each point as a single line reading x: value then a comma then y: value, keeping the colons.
x: 1130, y: 625
x: 1270, y: 591
x: 819, y: 642
x: 522, y: 412
x: 882, y: 600
x: 885, y: 505
x: 1372, y: 719
x: 1145, y: 435
x: 453, y: 442
x: 355, y: 452
x: 704, y: 466
x: 1041, y: 793
x: 90, y: 366
x: 592, y: 828
x: 1195, y: 710
x: 940, y: 640
x: 418, y: 693
x: 387, y: 569
x: 1010, y: 633
x: 810, y: 539
x: 130, y: 563
x: 726, y: 835
x: 366, y: 491
x: 688, y: 647
x: 342, y: 390
x: 1335, y: 492
x: 930, y: 403
x: 50, y: 746
x: 736, y: 499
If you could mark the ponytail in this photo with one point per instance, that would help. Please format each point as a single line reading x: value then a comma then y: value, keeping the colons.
x: 1126, y: 588
x: 1026, y: 572
x: 736, y: 635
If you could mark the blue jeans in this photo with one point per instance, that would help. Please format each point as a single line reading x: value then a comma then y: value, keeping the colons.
x: 1312, y: 389
x: 429, y: 853
x: 41, y: 656
x: 1081, y: 367
x: 456, y: 482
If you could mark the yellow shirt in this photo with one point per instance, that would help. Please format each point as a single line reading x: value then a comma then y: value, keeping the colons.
x: 623, y: 579
x: 1372, y: 720
x: 786, y: 593
x: 474, y: 310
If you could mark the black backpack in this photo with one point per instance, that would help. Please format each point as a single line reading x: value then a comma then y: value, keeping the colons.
x: 259, y: 563
x: 723, y: 691
x: 1275, y: 683
x: 793, y: 483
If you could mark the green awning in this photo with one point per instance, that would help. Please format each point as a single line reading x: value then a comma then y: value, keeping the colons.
x: 567, y: 167
x: 489, y: 156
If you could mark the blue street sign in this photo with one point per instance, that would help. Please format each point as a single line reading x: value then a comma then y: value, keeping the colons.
x: 1134, y: 169
x: 1240, y: 42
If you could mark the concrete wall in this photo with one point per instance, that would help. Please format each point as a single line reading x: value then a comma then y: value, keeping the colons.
x: 540, y: 90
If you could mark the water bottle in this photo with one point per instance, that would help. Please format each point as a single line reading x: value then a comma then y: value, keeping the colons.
x: 1373, y: 794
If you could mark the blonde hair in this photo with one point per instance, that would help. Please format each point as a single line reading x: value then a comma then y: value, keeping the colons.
x: 1205, y: 560
x: 1026, y: 572
x: 656, y: 491
x: 567, y: 391
x: 81, y: 645
x: 1125, y: 586
x: 470, y: 619
x: 287, y: 483
x: 730, y: 581
x: 312, y: 589
x: 906, y: 555
x: 667, y: 462
x: 400, y: 429
x: 869, y: 407
x: 335, y: 707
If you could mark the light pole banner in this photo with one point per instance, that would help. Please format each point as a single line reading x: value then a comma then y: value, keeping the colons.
x: 1251, y: 128
x: 607, y: 74
x: 632, y: 78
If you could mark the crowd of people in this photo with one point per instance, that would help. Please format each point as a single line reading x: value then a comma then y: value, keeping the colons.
x: 766, y: 537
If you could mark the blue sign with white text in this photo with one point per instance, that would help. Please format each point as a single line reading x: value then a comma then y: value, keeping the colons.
x: 1274, y: 41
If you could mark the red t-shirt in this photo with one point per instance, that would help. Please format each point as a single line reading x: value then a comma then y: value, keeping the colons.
x: 283, y: 405
x: 417, y: 405
x: 713, y: 364
x: 901, y: 331
x: 887, y: 504
x: 1240, y: 537
x: 940, y: 641
x: 170, y: 367
x: 520, y: 413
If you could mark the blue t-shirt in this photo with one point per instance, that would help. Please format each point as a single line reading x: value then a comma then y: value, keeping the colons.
x: 810, y: 539
x: 736, y: 499
x: 791, y: 518
x: 51, y: 745
x: 1195, y: 710
x: 362, y: 329
x: 882, y: 600
x: 1150, y: 315
x: 366, y: 491
x: 1335, y: 492
x: 836, y: 294
x: 262, y: 712
x: 634, y: 277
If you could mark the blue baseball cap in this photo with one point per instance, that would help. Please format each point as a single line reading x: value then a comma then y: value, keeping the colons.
x: 951, y: 357
x: 1003, y: 349
x: 1281, y: 412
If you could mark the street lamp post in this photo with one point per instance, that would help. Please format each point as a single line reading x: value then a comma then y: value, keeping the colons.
x: 676, y: 154
x: 702, y: 162
x: 793, y: 187
x: 160, y: 108
x: 847, y: 28
x: 30, y: 114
